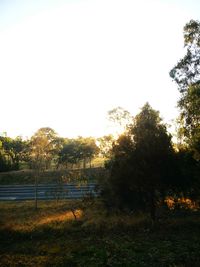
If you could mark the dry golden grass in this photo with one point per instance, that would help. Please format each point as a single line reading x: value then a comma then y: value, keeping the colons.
x: 23, y: 217
x: 60, y: 217
x: 51, y: 237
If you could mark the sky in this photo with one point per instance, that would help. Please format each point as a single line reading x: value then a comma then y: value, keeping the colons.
x: 65, y: 64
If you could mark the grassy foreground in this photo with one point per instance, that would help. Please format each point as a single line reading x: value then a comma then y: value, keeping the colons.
x: 52, y: 237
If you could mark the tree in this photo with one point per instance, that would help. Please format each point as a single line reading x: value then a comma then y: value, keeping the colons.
x: 12, y: 152
x: 43, y: 148
x: 78, y: 150
x: 88, y: 149
x: 187, y: 70
x: 5, y: 164
x: 105, y: 145
x: 186, y: 182
x: 186, y: 74
x: 141, y: 164
x: 70, y: 153
x: 121, y: 118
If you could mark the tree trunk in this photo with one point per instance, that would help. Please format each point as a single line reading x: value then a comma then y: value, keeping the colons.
x: 84, y: 163
x: 90, y: 163
x: 152, y: 205
x: 36, y: 191
x: 74, y: 214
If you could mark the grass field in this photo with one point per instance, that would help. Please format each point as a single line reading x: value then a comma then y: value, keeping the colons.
x: 51, y: 176
x: 52, y: 237
x: 27, y: 176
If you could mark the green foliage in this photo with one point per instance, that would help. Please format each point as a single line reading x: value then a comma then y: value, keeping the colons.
x: 187, y: 70
x: 186, y: 74
x: 12, y: 152
x: 141, y: 164
x: 105, y: 144
x: 43, y: 148
x: 69, y: 153
x: 88, y: 149
x: 186, y: 175
x: 78, y: 150
x: 145, y: 169
x: 46, y: 150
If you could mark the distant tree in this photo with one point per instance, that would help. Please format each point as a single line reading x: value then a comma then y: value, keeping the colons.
x: 88, y: 149
x: 13, y: 151
x: 70, y: 154
x: 43, y: 147
x: 42, y: 151
x: 5, y: 164
x: 105, y: 145
x: 120, y: 117
x: 78, y: 150
x: 141, y: 164
x: 58, y: 144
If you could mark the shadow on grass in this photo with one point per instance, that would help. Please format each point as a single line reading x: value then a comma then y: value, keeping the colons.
x: 98, y: 239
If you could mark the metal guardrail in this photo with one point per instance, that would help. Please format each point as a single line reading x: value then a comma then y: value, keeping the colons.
x: 46, y: 191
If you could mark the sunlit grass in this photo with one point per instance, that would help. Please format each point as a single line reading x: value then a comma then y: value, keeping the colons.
x: 22, y: 216
x: 53, y: 176
x: 51, y: 236
x: 60, y: 217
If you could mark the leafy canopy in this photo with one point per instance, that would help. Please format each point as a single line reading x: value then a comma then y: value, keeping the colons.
x: 186, y: 74
x: 141, y: 163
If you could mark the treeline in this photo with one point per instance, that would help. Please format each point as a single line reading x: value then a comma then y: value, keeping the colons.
x: 146, y: 168
x: 46, y: 150
x: 12, y: 152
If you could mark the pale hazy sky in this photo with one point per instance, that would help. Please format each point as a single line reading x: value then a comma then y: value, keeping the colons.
x: 64, y: 64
